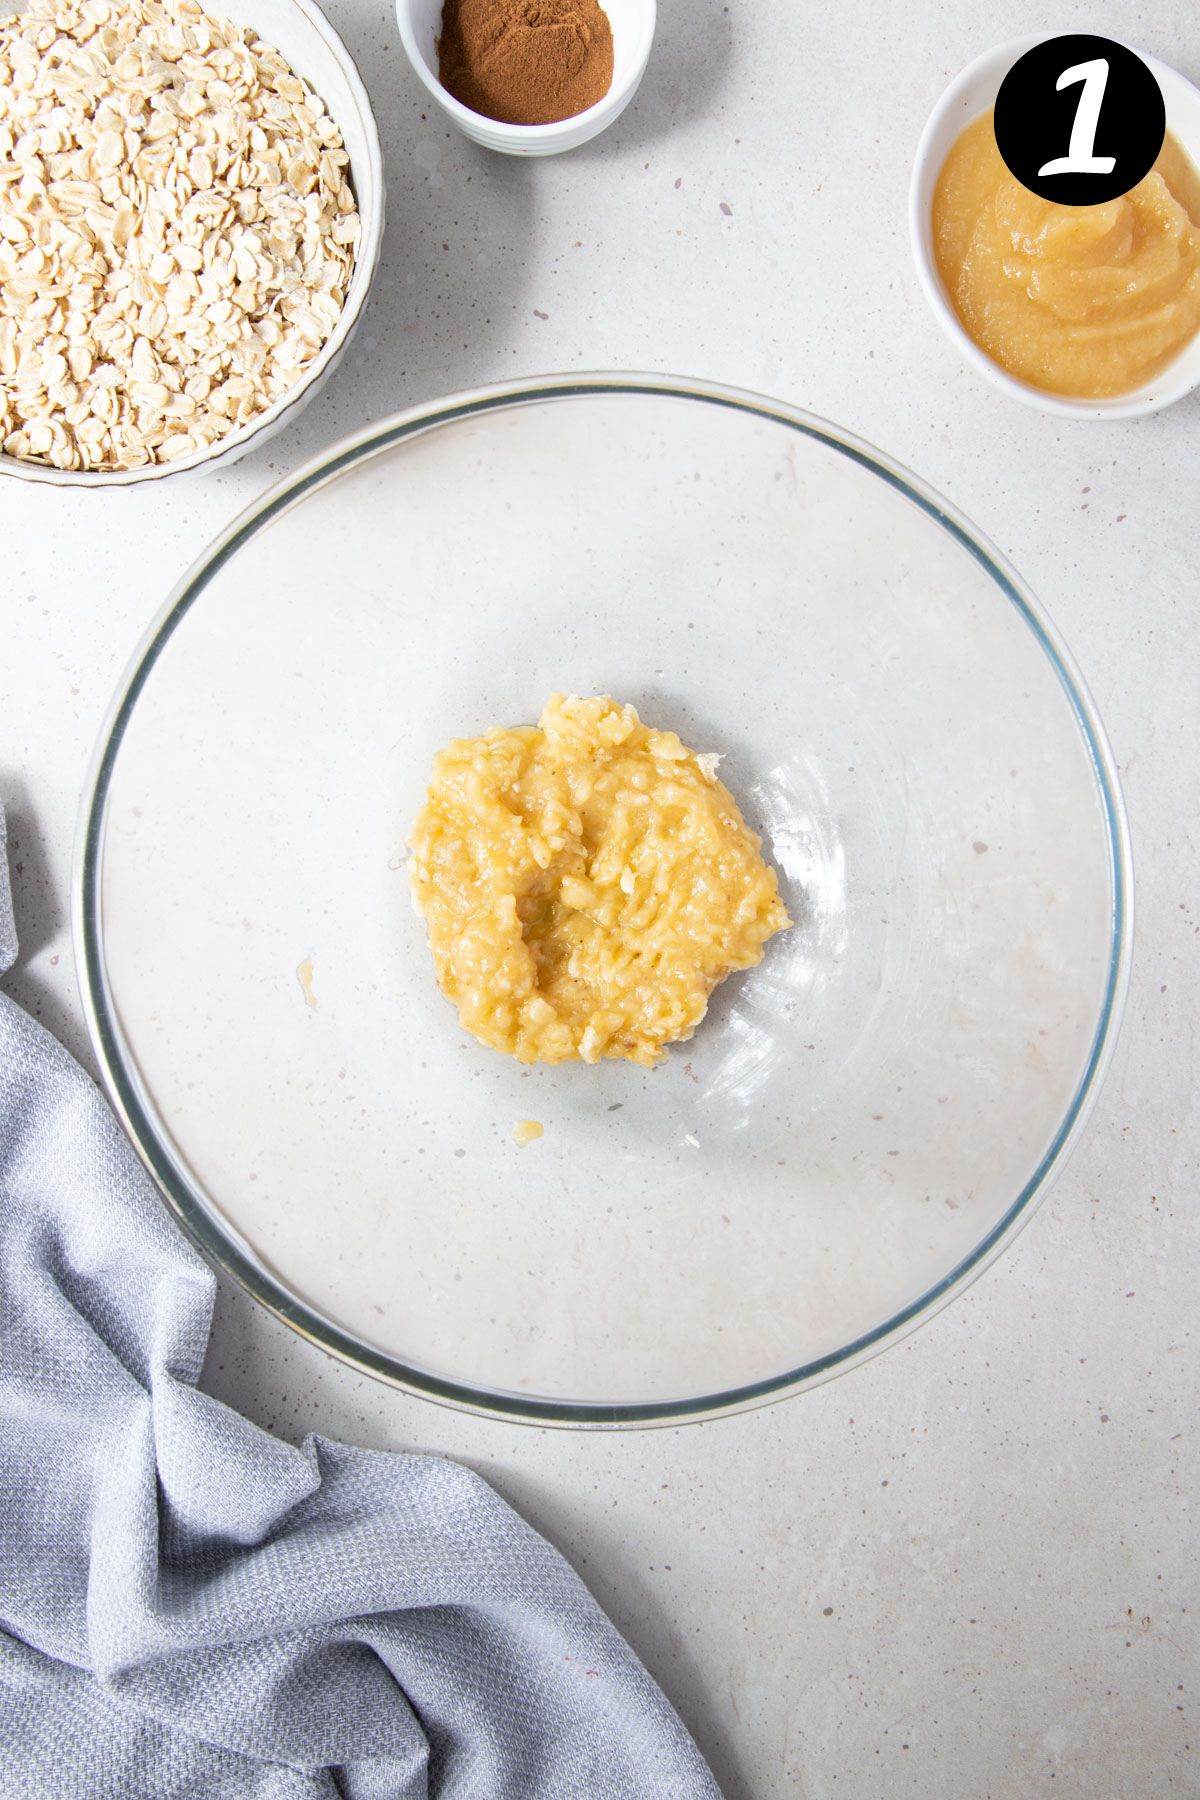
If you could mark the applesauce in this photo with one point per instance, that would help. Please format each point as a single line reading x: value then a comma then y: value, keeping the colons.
x: 1086, y: 301
x: 586, y: 883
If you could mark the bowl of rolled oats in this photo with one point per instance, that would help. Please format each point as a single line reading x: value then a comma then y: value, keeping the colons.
x: 191, y: 209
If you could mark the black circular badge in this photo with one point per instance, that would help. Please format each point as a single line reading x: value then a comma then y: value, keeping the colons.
x: 1079, y: 120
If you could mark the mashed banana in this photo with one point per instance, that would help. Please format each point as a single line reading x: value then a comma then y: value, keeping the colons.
x: 1089, y: 301
x: 586, y: 883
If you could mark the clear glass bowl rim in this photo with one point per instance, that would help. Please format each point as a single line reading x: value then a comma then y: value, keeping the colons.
x: 136, y: 1111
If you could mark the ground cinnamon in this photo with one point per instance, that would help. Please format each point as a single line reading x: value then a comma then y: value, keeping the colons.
x: 526, y: 62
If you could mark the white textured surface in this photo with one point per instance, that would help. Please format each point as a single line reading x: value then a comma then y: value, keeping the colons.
x: 965, y: 1569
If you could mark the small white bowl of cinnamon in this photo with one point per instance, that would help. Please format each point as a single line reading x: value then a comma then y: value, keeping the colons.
x: 529, y: 77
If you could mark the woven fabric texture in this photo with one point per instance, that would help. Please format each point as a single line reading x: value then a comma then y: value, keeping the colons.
x: 191, y: 1607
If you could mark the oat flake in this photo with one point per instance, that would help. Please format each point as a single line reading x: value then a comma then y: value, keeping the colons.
x: 177, y: 231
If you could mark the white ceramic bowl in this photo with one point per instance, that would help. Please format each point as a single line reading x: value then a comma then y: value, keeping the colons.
x: 974, y: 92
x: 298, y: 29
x: 632, y: 24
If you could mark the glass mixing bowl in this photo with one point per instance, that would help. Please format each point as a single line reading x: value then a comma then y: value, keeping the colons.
x: 859, y: 1124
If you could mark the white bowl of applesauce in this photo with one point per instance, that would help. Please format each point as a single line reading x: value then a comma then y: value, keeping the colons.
x: 1011, y: 334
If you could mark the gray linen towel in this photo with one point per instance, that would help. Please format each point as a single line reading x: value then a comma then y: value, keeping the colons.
x: 188, y: 1606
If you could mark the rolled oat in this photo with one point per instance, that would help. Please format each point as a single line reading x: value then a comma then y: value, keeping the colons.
x: 177, y: 230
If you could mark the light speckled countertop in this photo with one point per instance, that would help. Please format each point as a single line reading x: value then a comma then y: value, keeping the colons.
x: 965, y: 1569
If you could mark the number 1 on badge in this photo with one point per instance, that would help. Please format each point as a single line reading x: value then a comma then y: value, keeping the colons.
x: 1081, y: 158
